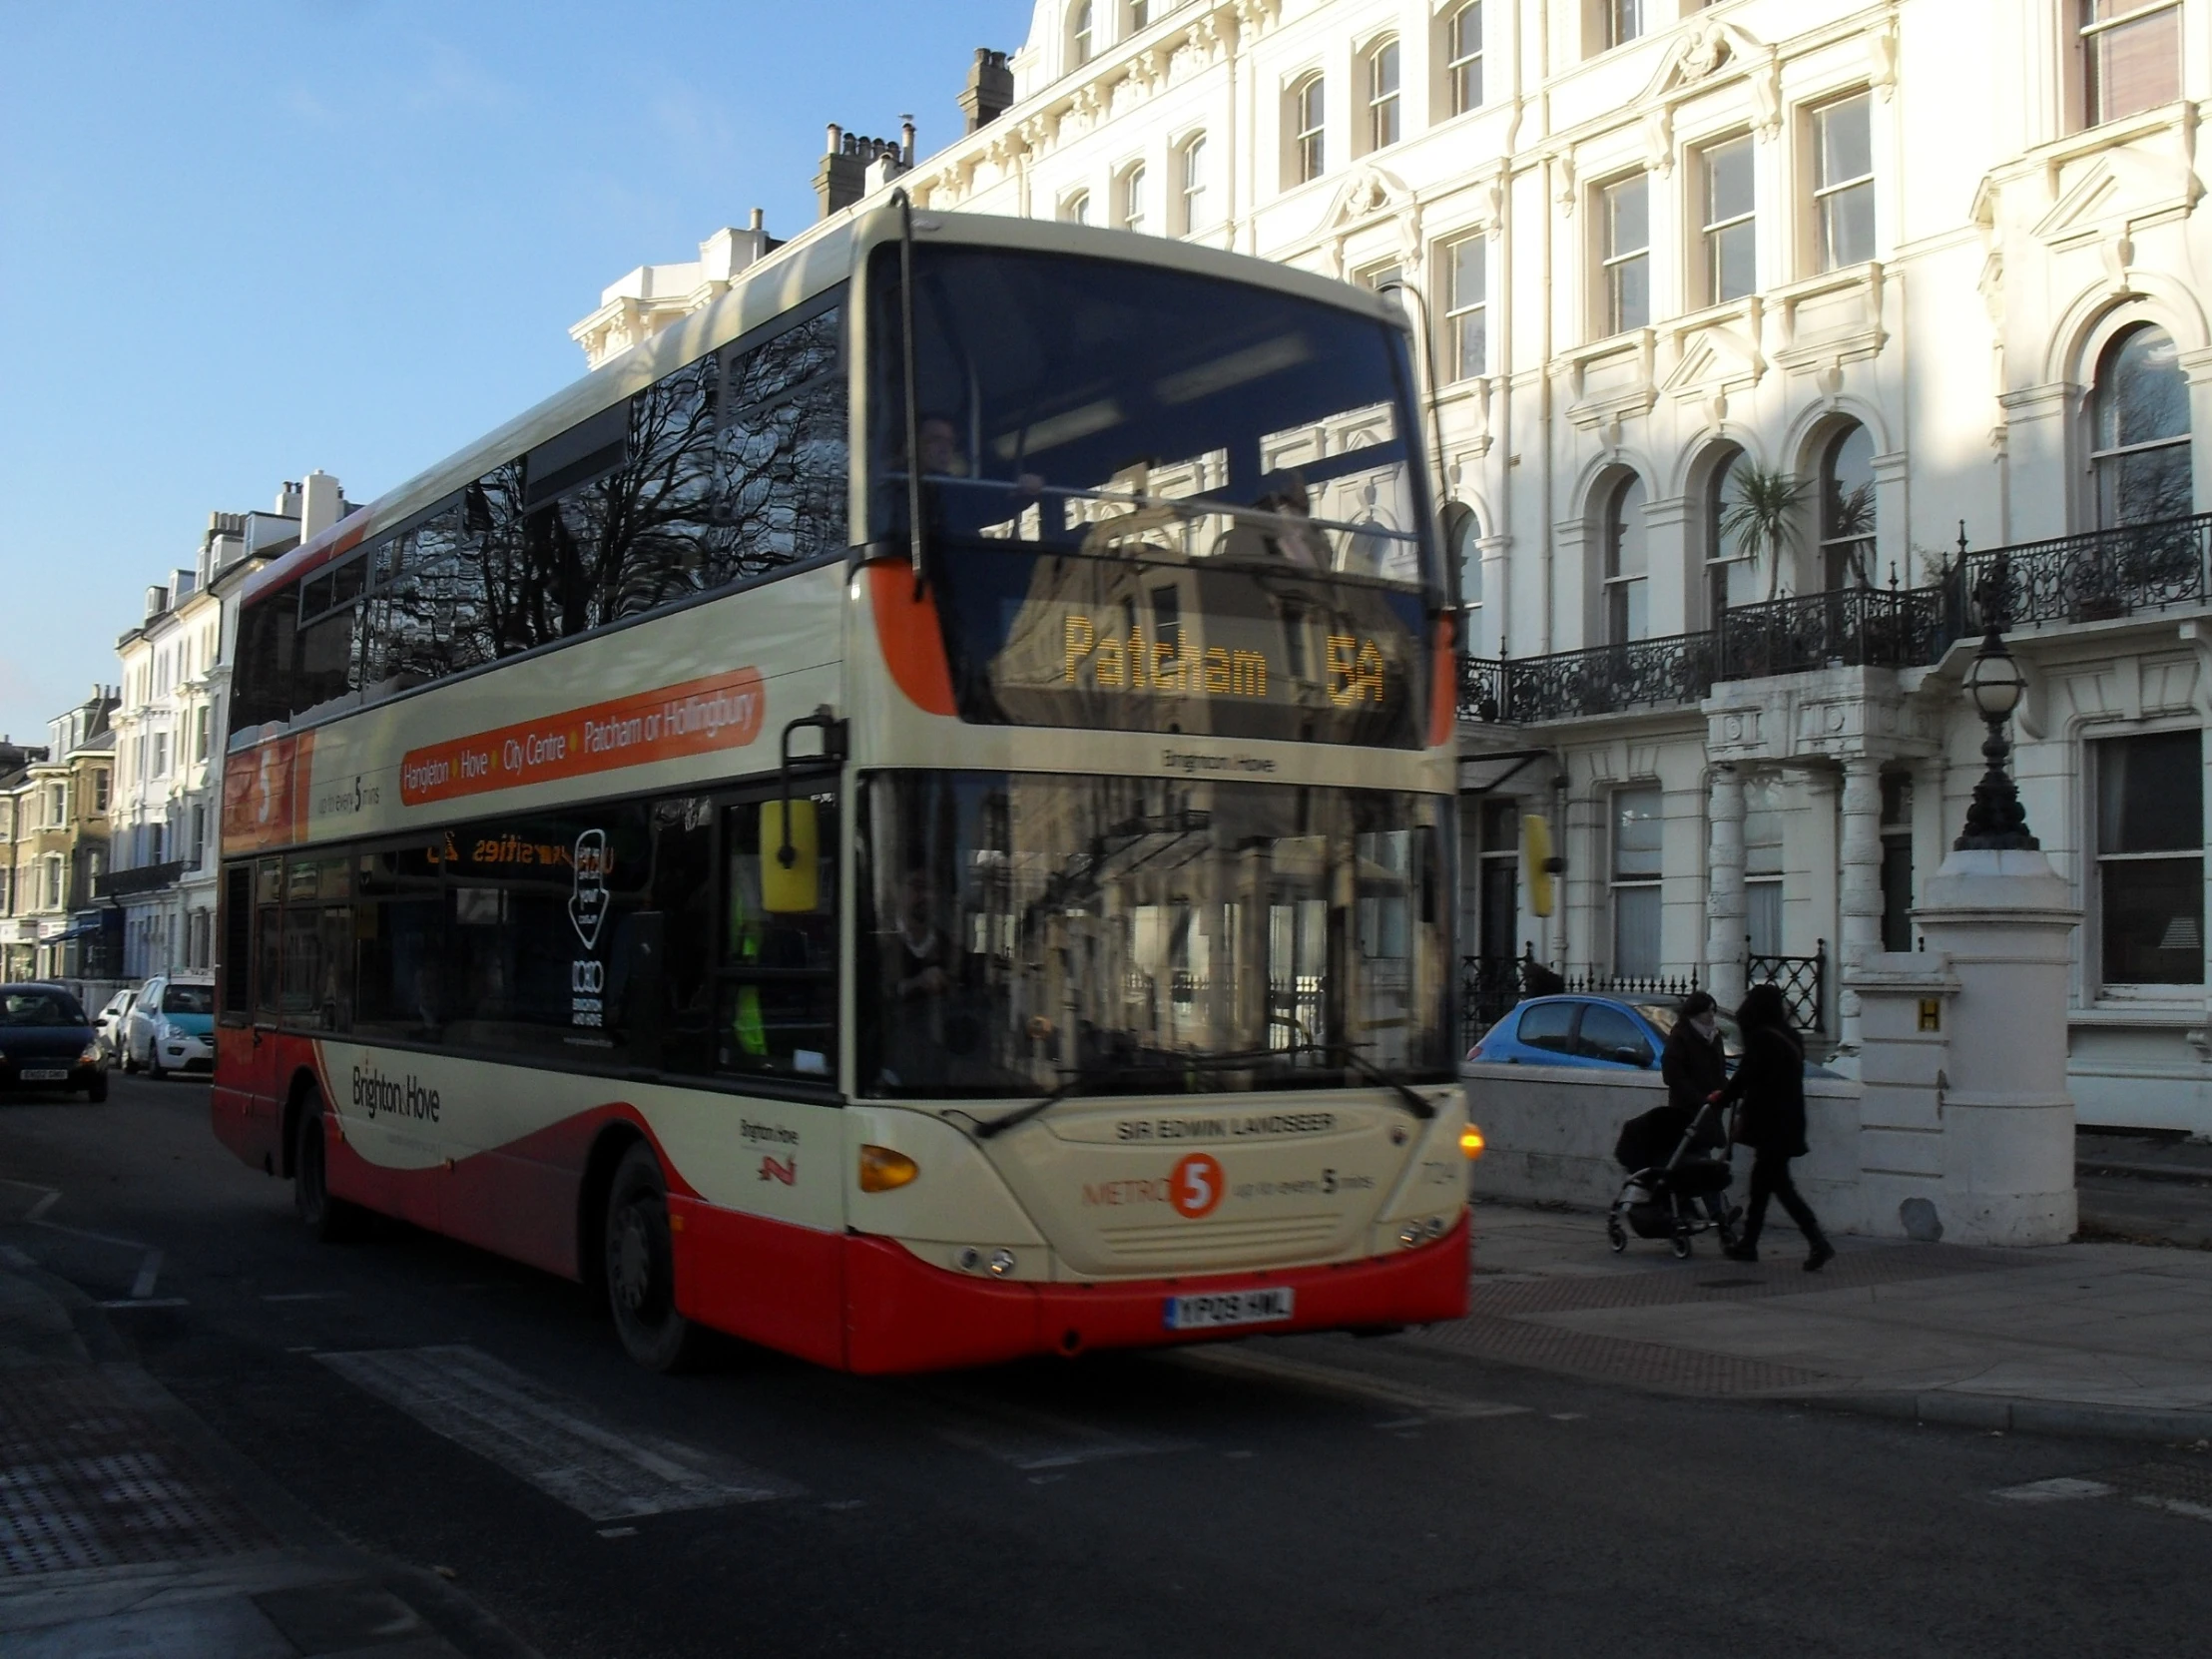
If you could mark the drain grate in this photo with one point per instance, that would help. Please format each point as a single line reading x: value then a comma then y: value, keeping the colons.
x: 88, y: 1481
x: 1613, y: 1358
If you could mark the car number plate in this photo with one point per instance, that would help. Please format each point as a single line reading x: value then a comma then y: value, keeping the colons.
x: 46, y: 1074
x: 1209, y: 1312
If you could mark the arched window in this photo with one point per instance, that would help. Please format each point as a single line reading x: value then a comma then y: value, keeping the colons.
x: 2140, y: 444
x: 1627, y: 590
x: 1463, y: 57
x: 1847, y: 509
x: 1076, y: 210
x: 1382, y: 106
x: 1463, y: 545
x: 1193, y: 185
x: 1721, y: 556
x: 1305, y: 130
x: 1081, y: 40
x: 1133, y: 200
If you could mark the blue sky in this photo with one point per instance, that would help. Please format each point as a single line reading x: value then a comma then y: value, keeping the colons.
x: 241, y: 240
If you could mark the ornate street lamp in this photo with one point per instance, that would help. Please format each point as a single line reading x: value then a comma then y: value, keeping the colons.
x: 1996, y: 821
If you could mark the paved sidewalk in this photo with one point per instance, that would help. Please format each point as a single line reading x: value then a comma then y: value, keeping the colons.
x: 128, y: 1529
x: 2093, y: 1339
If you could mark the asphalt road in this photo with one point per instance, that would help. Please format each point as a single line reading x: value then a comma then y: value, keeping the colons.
x: 1284, y: 1497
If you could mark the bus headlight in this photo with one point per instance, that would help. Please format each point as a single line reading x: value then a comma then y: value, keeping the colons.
x: 1472, y: 1142
x: 881, y: 1169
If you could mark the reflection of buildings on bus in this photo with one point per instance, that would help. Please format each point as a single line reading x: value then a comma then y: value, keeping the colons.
x: 1930, y: 260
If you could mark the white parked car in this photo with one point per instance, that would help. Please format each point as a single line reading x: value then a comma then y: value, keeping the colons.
x: 171, y: 1027
x: 107, y: 1024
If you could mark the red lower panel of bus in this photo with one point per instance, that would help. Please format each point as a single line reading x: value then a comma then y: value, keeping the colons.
x: 904, y: 1314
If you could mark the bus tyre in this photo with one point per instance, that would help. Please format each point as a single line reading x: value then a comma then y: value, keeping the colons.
x: 641, y: 1268
x: 328, y: 1219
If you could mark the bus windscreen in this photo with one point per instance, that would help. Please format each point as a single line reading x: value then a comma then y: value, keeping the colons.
x: 1018, y: 929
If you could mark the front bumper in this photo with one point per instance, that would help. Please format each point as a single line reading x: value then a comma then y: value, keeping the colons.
x: 183, y: 1053
x: 904, y: 1314
x: 80, y: 1076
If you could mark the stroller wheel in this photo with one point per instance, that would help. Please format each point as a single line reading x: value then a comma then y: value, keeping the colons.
x: 1616, y: 1234
x: 1682, y: 1247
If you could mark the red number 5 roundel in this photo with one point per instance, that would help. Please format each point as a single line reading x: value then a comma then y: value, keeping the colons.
x: 1196, y: 1185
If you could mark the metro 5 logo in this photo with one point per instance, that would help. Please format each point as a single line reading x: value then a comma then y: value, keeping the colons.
x: 1196, y: 1186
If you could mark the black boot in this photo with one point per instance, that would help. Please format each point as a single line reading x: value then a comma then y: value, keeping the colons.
x: 1745, y: 1251
x: 1820, y: 1255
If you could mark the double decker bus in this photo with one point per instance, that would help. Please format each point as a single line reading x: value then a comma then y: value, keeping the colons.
x: 906, y: 820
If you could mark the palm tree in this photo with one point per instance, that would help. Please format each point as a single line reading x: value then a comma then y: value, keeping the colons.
x: 1763, y: 518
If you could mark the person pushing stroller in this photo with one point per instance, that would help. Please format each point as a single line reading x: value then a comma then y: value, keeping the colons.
x: 1677, y: 1154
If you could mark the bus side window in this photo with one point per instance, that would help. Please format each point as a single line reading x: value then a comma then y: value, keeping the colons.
x: 236, y: 961
x: 777, y: 1007
x: 269, y: 924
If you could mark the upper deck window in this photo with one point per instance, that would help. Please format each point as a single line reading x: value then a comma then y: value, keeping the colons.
x: 1108, y: 406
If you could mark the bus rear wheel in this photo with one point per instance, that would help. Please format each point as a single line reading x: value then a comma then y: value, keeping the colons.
x: 641, y: 1268
x: 328, y: 1219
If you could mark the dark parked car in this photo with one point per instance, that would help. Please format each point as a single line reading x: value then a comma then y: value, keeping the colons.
x: 47, y: 1043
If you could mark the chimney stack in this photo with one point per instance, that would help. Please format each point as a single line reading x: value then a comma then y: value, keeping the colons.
x: 319, y: 504
x: 857, y: 164
x: 989, y: 90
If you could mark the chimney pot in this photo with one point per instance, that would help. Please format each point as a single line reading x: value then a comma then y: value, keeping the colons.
x: 758, y: 221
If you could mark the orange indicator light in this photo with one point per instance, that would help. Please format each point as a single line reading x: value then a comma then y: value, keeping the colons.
x: 881, y: 1169
x: 1470, y: 1141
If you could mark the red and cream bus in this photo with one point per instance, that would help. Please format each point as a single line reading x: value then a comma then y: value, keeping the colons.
x: 904, y: 916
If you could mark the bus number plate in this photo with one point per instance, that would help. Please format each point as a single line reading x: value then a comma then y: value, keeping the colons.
x: 1209, y: 1312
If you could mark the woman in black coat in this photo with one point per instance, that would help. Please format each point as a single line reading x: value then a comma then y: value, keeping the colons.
x: 1770, y: 1084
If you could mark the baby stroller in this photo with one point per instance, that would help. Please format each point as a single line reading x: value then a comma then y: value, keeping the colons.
x: 1677, y: 1162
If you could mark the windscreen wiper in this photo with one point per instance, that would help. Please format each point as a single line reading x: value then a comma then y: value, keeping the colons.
x: 1422, y: 1108
x: 1074, y: 1083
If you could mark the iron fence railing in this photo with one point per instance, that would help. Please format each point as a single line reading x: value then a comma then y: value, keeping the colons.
x: 1638, y: 674
x: 1848, y: 628
x: 1489, y: 988
x: 1803, y: 981
x: 2092, y: 577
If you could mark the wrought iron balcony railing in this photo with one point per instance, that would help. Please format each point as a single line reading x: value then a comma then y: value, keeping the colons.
x: 2095, y: 576
x: 1845, y: 628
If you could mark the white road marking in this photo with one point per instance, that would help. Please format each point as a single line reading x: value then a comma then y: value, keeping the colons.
x: 1360, y: 1385
x: 555, y: 1443
x: 38, y: 1209
x: 2176, y: 1505
x: 1026, y: 1438
x: 145, y: 1301
x: 304, y: 1296
x: 149, y: 1270
x: 16, y: 1257
x: 2058, y: 1490
x: 618, y: 1532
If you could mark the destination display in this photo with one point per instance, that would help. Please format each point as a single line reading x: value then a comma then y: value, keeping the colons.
x: 1038, y: 638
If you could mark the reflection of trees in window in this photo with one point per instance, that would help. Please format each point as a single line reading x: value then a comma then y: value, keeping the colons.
x: 586, y: 531
x: 2150, y: 859
x: 2141, y: 441
x: 1627, y: 611
x: 1847, y: 509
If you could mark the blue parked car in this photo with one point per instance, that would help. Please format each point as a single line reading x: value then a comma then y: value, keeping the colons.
x: 47, y: 1043
x: 1586, y: 1030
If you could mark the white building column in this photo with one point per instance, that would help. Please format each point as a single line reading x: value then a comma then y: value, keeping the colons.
x: 1859, y: 893
x: 1726, y: 910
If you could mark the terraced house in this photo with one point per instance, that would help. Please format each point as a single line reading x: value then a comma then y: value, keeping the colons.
x: 54, y: 803
x: 1775, y: 349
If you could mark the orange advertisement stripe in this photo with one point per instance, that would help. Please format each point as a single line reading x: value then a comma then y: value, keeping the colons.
x: 722, y: 710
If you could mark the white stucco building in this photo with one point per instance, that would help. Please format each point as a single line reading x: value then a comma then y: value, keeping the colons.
x: 1935, y: 260
x: 170, y: 732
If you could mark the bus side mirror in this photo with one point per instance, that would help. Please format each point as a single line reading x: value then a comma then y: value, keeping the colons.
x: 793, y: 887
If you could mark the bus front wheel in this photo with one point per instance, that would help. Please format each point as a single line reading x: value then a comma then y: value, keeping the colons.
x: 328, y: 1219
x: 641, y: 1267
